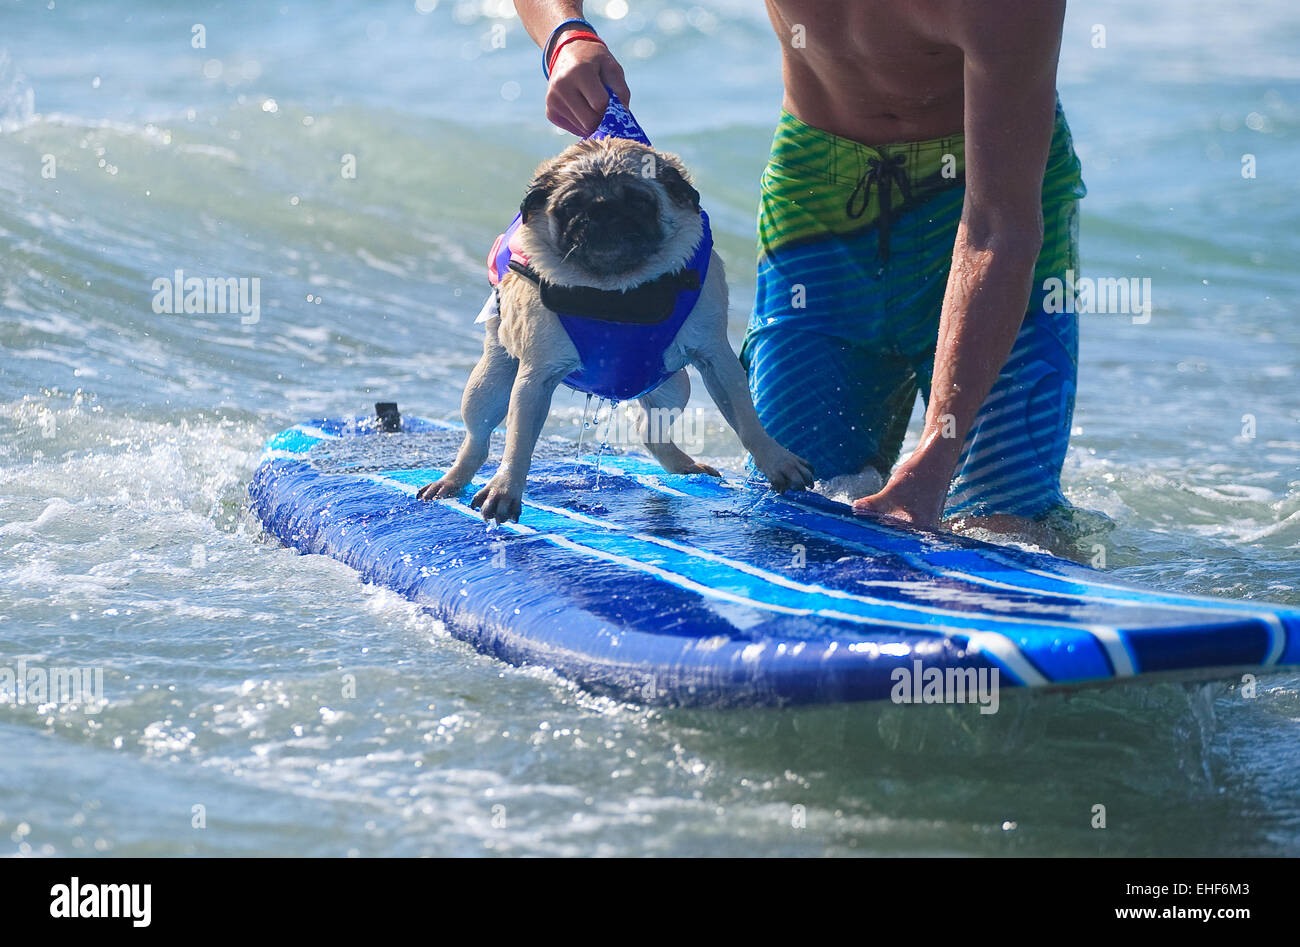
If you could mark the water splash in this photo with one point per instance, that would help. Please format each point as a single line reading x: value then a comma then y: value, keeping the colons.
x: 582, y: 431
x: 769, y: 493
x: 17, y: 100
x: 604, y: 437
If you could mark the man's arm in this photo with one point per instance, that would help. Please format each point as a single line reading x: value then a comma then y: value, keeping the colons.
x: 576, y: 98
x: 1011, y: 49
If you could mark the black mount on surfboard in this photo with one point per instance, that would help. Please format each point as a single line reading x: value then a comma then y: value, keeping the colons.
x: 388, y: 417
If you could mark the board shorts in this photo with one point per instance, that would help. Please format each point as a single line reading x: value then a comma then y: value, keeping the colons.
x: 855, y: 243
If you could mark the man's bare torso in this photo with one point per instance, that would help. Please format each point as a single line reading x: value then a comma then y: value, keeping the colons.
x: 876, y: 71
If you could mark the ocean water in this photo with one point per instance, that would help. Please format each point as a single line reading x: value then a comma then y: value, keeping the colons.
x: 127, y: 439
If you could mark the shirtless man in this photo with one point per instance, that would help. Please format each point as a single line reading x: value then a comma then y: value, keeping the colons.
x: 922, y: 186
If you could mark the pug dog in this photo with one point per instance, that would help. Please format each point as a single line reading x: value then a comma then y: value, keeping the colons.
x: 593, y: 219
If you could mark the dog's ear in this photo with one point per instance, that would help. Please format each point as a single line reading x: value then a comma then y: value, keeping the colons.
x: 544, y: 183
x: 672, y: 175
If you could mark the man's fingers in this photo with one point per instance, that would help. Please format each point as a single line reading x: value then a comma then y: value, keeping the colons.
x: 568, y: 107
x: 594, y: 99
x: 612, y: 75
x: 558, y: 113
x: 577, y: 98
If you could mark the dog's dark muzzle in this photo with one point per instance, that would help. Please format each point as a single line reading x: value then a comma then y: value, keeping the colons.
x: 609, y: 240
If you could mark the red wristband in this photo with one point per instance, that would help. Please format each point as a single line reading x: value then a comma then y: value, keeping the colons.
x: 566, y: 40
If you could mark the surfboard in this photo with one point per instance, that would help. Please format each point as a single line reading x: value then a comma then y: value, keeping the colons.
x: 698, y: 591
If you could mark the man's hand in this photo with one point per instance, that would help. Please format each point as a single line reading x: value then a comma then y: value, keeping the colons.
x: 576, y: 99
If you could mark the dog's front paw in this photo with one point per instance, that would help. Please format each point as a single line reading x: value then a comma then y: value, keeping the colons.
x: 440, y: 489
x: 501, y: 500
x: 784, y: 470
x: 683, y: 464
x: 698, y: 468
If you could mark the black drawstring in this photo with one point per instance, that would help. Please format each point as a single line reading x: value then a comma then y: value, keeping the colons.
x: 884, y: 175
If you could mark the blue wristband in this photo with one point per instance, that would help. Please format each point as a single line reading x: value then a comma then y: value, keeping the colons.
x: 550, y: 41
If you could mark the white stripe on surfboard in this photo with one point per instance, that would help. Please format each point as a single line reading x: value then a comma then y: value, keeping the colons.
x: 807, y: 588
x: 1279, y: 639
x: 654, y: 483
x: 1120, y: 656
x: 1233, y: 608
x: 997, y: 646
x: 1109, y: 638
x: 776, y: 578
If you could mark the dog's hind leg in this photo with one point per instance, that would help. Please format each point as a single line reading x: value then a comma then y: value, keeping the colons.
x: 482, y: 407
x: 703, y: 341
x: 659, y: 410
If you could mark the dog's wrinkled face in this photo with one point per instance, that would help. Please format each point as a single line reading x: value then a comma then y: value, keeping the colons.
x: 610, y: 213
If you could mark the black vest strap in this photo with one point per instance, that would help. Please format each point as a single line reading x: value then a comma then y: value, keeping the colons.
x: 648, y: 304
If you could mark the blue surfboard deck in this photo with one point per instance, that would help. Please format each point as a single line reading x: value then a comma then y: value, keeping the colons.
x: 690, y: 590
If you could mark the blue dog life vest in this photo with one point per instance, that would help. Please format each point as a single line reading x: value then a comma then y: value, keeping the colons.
x: 620, y: 359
